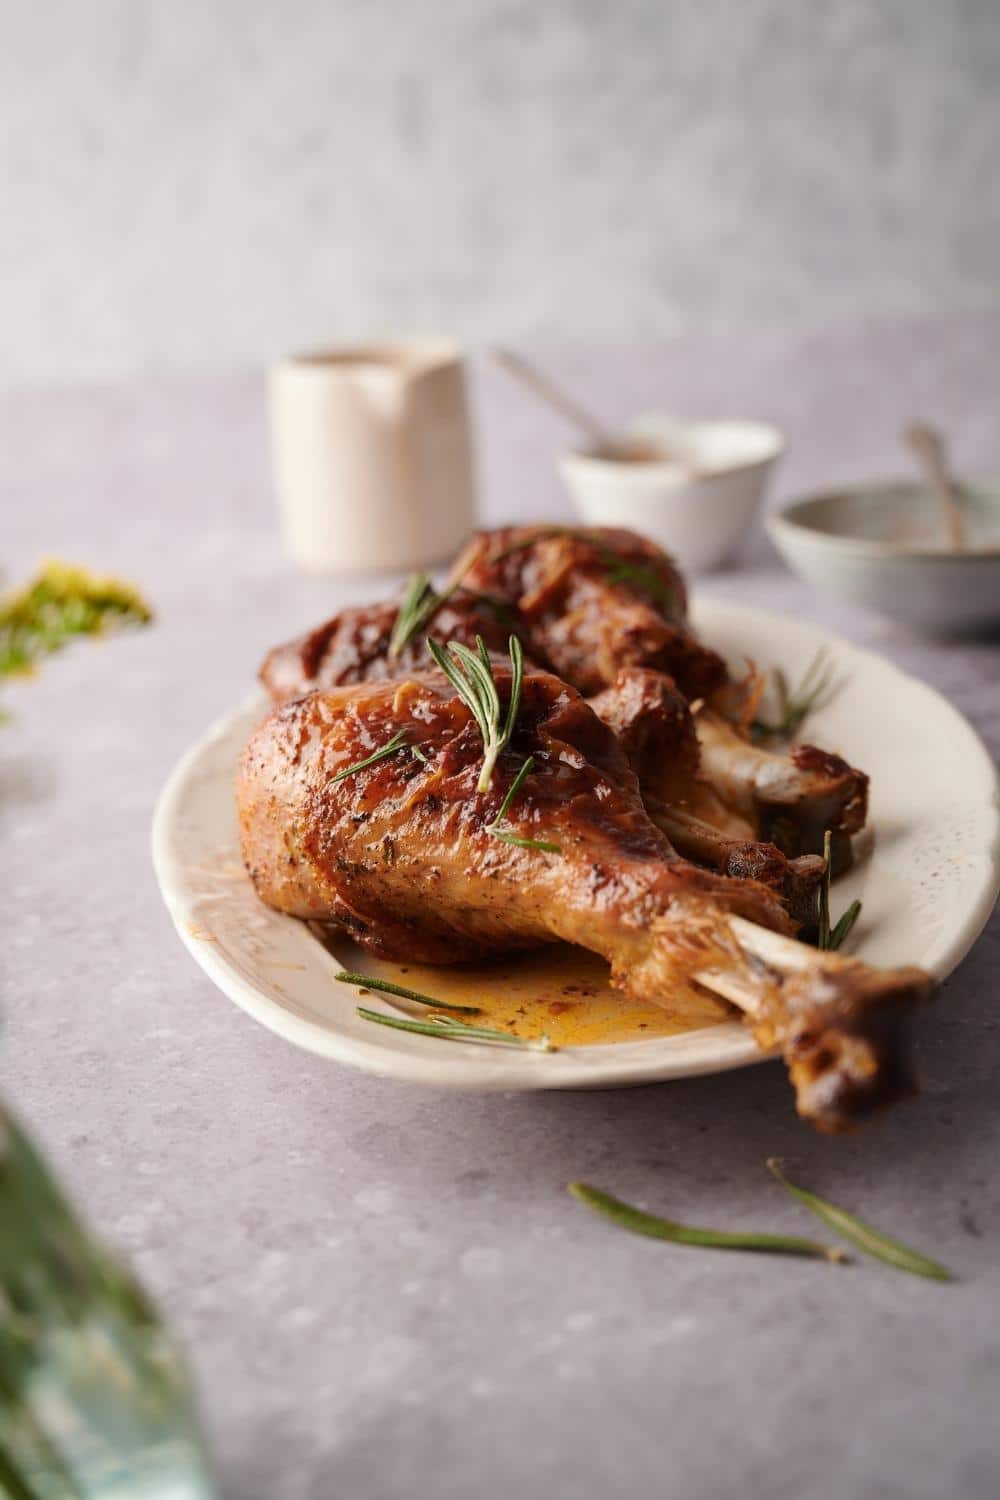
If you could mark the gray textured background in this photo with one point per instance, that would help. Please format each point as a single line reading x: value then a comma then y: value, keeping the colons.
x: 194, y: 185
x: 386, y: 1292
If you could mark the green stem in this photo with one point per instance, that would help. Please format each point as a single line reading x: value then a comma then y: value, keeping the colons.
x: 844, y: 926
x: 639, y: 1222
x: 386, y: 987
x: 872, y: 1241
x: 389, y: 748
x: 514, y: 838
x: 829, y: 938
x: 449, y: 1030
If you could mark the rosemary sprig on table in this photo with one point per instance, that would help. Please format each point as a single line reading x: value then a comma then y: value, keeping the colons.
x: 386, y: 987
x: 452, y: 1030
x: 872, y: 1241
x: 829, y: 938
x: 471, y: 675
x: 815, y: 691
x: 864, y: 1236
x: 418, y: 605
x: 61, y: 603
x: 514, y: 838
x: 639, y: 1222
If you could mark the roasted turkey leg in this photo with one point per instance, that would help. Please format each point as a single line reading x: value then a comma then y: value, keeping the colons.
x: 644, y: 708
x: 402, y: 855
x: 588, y: 603
x: 355, y: 645
x: 595, y: 600
x: 591, y: 601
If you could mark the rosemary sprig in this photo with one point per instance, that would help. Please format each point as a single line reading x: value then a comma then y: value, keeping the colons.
x: 502, y: 610
x: 619, y: 570
x: 419, y: 603
x: 816, y: 689
x: 471, y: 675
x: 62, y: 602
x: 871, y: 1241
x: 639, y: 1222
x: 829, y: 938
x: 844, y: 925
x: 525, y: 542
x: 513, y: 838
x: 641, y: 577
x: 452, y: 1030
x: 386, y: 986
x: 397, y: 742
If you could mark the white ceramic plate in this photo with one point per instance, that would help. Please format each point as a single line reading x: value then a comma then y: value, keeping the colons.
x: 928, y: 876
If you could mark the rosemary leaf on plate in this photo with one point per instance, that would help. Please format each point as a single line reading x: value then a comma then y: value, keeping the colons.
x: 451, y: 1030
x: 843, y: 928
x: 815, y: 691
x: 829, y: 937
x: 387, y: 987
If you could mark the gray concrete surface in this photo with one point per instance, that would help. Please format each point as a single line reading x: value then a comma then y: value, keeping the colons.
x: 386, y: 1292
x: 198, y: 185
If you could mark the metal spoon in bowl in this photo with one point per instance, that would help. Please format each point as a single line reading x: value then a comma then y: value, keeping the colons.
x: 607, y: 443
x: 931, y: 452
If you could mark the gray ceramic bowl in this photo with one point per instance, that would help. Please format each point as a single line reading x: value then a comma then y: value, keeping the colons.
x: 882, y: 546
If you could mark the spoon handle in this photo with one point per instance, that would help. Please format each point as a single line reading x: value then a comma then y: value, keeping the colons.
x: 928, y: 447
x: 544, y: 386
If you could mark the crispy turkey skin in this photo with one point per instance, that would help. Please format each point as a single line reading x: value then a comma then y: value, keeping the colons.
x: 592, y: 600
x: 401, y: 854
x: 589, y: 603
x: 354, y: 646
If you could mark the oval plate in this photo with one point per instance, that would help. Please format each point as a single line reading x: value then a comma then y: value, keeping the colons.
x: 928, y: 874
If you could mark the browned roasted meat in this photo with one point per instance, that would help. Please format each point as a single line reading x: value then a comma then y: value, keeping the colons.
x: 401, y: 854
x: 588, y: 604
x: 645, y: 709
x: 797, y: 881
x: 657, y: 731
x: 790, y: 799
x: 592, y: 600
x: 655, y: 728
x: 355, y: 645
x: 595, y: 600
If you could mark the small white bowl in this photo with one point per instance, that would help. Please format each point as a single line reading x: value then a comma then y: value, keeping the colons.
x: 882, y: 546
x: 697, y: 503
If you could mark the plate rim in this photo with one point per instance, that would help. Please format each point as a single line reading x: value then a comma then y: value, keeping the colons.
x: 608, y: 1065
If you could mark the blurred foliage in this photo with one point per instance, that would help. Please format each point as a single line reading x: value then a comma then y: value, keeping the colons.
x: 63, y: 602
x: 94, y: 1400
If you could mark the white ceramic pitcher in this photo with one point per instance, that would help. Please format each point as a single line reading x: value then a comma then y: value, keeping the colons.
x: 372, y: 455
